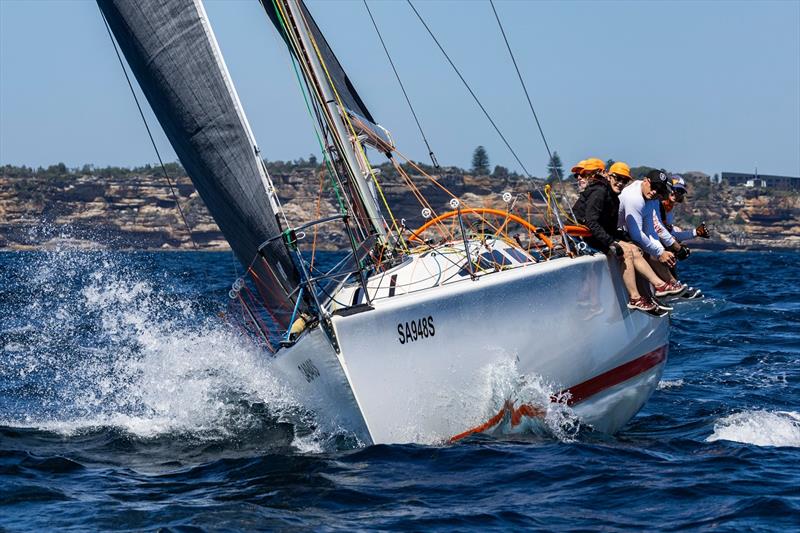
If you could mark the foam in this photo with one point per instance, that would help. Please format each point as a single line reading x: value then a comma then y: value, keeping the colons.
x: 759, y: 427
x: 670, y: 384
x: 504, y: 381
x: 120, y: 349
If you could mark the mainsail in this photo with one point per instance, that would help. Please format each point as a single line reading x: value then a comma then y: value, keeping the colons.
x: 174, y: 55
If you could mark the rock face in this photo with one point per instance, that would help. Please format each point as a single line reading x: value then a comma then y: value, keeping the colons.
x: 741, y: 217
x: 136, y: 209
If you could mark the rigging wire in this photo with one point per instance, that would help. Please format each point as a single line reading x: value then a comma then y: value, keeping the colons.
x: 402, y: 87
x: 471, y: 92
x: 527, y: 96
x: 356, y: 140
x: 546, y: 198
x: 149, y: 133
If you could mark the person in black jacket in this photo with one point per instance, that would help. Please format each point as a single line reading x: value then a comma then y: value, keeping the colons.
x: 597, y: 208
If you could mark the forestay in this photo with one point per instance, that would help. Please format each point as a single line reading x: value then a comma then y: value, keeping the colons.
x: 174, y: 55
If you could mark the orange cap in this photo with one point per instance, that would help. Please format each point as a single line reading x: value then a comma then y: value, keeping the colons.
x: 621, y: 168
x: 577, y: 168
x: 593, y: 164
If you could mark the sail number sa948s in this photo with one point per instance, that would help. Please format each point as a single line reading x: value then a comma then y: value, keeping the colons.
x: 415, y: 330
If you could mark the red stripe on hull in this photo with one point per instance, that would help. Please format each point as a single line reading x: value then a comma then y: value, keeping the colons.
x: 615, y: 376
x: 578, y: 393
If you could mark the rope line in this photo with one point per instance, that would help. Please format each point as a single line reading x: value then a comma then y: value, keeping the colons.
x: 471, y: 92
x: 527, y: 95
x: 402, y: 87
x: 564, y: 236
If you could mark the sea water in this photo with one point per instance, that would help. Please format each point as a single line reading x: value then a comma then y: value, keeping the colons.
x: 127, y: 403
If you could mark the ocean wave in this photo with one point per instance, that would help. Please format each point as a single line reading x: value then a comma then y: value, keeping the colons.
x: 115, y: 349
x: 761, y: 428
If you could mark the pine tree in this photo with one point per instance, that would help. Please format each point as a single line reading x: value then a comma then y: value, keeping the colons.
x: 555, y: 171
x: 480, y: 161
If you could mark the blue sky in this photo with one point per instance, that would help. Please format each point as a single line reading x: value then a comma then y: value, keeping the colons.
x: 708, y: 86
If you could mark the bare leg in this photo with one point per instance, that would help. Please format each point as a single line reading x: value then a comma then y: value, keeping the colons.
x: 641, y: 265
x: 629, y: 274
x: 660, y: 270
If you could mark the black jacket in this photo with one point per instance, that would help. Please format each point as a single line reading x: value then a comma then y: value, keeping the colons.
x: 597, y: 208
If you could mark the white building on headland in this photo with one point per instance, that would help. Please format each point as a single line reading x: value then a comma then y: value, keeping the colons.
x: 766, y: 181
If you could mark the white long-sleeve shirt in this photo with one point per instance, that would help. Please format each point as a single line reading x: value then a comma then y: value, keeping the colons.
x: 637, y: 217
x: 664, y: 235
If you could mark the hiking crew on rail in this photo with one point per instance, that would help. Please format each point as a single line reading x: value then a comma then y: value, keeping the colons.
x: 626, y: 223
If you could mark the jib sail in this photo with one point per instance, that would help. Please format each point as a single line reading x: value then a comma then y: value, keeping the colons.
x: 174, y: 55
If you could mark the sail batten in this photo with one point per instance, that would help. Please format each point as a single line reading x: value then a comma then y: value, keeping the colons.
x: 174, y: 55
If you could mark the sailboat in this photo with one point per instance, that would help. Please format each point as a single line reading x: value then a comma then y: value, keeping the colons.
x: 393, y: 343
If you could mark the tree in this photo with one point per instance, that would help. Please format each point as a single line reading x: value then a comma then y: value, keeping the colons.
x: 609, y: 163
x: 555, y: 171
x: 480, y: 161
x: 312, y: 160
x: 500, y: 172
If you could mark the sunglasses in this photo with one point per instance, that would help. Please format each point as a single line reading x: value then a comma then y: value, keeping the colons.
x: 621, y: 179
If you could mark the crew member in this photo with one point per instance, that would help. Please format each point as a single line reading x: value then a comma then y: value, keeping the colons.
x: 580, y: 180
x: 677, y: 196
x: 666, y: 218
x: 597, y: 208
x: 638, y: 213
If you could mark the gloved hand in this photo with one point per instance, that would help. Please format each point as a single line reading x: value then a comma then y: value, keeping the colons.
x: 682, y: 253
x: 702, y: 231
x: 615, y: 249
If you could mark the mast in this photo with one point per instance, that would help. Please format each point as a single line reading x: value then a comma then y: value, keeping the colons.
x: 337, y: 116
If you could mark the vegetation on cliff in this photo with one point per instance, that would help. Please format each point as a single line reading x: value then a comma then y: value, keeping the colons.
x: 134, y: 208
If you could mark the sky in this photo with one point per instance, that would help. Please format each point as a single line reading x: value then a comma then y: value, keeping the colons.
x: 709, y: 86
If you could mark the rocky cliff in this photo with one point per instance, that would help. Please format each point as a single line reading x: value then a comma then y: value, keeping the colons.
x: 123, y: 208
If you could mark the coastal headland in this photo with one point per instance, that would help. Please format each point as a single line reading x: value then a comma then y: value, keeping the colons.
x: 134, y: 208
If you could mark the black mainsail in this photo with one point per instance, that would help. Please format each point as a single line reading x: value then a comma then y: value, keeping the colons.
x: 174, y: 55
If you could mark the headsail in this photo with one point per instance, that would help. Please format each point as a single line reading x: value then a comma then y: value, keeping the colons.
x: 174, y: 55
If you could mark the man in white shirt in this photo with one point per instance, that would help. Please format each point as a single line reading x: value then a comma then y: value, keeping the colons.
x: 638, y: 213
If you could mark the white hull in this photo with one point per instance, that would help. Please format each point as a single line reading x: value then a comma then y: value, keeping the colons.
x: 563, y: 320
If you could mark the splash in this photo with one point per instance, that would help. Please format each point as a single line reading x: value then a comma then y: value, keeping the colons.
x: 102, y: 342
x: 506, y: 383
x: 762, y: 428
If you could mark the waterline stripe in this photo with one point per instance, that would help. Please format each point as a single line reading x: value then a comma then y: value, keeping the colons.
x: 578, y: 393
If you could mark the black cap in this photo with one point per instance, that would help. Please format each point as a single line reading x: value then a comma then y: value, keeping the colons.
x: 660, y: 181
